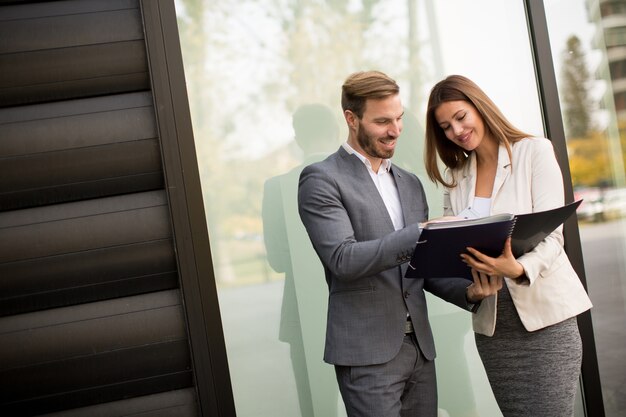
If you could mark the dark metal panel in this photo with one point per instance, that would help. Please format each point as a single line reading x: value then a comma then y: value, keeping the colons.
x: 74, y: 331
x: 88, y: 48
x: 35, y: 8
x: 72, y: 72
x: 179, y: 403
x: 92, y: 275
x: 150, y: 369
x: 41, y: 337
x: 84, y: 232
x: 88, y: 163
x: 76, y: 191
x: 84, y: 251
x: 77, y: 29
x: 60, y: 175
x: 187, y: 209
x: 75, y: 355
x: 101, y: 394
x: 92, y: 207
x: 76, y: 124
x: 80, y: 63
x: 592, y: 391
x: 78, y: 149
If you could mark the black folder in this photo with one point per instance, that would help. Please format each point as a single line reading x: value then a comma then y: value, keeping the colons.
x: 438, y: 251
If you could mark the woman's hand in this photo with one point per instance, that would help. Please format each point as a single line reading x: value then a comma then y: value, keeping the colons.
x: 504, y: 265
x: 483, y: 286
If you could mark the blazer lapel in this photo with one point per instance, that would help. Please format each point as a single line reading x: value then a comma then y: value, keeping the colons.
x: 466, y: 184
x: 503, y: 171
x: 467, y: 181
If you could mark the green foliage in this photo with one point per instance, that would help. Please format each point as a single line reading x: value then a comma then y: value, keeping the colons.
x: 589, y: 160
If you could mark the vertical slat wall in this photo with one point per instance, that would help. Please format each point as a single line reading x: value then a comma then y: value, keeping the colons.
x: 91, y: 313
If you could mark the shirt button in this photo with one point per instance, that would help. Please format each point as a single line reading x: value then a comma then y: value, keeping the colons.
x: 406, y: 294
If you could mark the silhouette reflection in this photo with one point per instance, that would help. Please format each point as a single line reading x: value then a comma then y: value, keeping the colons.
x: 289, y: 251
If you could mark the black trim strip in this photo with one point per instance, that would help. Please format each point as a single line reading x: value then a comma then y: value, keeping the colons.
x: 197, y: 279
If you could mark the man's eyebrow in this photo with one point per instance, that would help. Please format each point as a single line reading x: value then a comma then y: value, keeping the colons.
x: 381, y: 118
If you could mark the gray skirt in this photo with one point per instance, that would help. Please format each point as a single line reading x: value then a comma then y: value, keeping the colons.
x: 531, y: 373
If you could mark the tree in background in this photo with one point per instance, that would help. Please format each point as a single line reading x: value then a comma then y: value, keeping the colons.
x: 575, y: 98
x: 586, y: 144
x: 588, y: 160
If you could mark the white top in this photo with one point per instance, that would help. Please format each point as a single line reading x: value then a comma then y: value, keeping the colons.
x: 482, y: 206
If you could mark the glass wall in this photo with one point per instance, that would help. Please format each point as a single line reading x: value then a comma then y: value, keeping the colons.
x: 589, y: 52
x: 264, y: 80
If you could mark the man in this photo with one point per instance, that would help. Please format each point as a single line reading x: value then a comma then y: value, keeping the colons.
x: 362, y: 215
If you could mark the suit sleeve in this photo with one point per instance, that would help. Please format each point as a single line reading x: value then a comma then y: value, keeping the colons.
x: 329, y: 226
x: 452, y: 290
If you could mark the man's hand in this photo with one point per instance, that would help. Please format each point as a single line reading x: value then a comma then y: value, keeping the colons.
x: 483, y: 286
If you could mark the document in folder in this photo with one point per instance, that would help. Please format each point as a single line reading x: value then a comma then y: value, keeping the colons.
x: 438, y: 251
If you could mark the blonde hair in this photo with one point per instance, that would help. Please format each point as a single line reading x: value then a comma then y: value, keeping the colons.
x: 460, y: 88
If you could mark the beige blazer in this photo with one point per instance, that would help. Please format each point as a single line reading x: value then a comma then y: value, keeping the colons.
x: 532, y: 182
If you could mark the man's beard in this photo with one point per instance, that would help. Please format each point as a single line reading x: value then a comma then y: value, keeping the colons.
x: 368, y: 144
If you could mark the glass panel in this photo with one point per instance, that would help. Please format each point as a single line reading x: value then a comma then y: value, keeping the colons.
x: 264, y: 79
x: 589, y: 47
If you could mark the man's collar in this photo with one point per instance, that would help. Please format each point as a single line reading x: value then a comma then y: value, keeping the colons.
x: 385, y: 164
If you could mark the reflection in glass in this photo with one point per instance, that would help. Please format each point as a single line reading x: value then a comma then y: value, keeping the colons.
x: 250, y: 65
x: 290, y: 252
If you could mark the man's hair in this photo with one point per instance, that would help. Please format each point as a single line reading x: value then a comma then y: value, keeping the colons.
x: 364, y: 85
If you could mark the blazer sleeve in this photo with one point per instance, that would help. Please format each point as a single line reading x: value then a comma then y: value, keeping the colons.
x: 327, y: 221
x: 547, y: 192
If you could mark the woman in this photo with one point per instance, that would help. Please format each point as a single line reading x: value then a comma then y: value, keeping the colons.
x: 526, y: 334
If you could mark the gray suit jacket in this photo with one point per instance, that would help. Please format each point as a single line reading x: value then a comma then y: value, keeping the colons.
x: 365, y: 260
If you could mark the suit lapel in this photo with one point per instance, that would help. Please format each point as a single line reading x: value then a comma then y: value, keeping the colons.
x: 362, y: 177
x: 404, y: 193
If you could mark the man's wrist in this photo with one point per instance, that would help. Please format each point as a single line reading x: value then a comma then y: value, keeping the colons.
x: 471, y: 305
